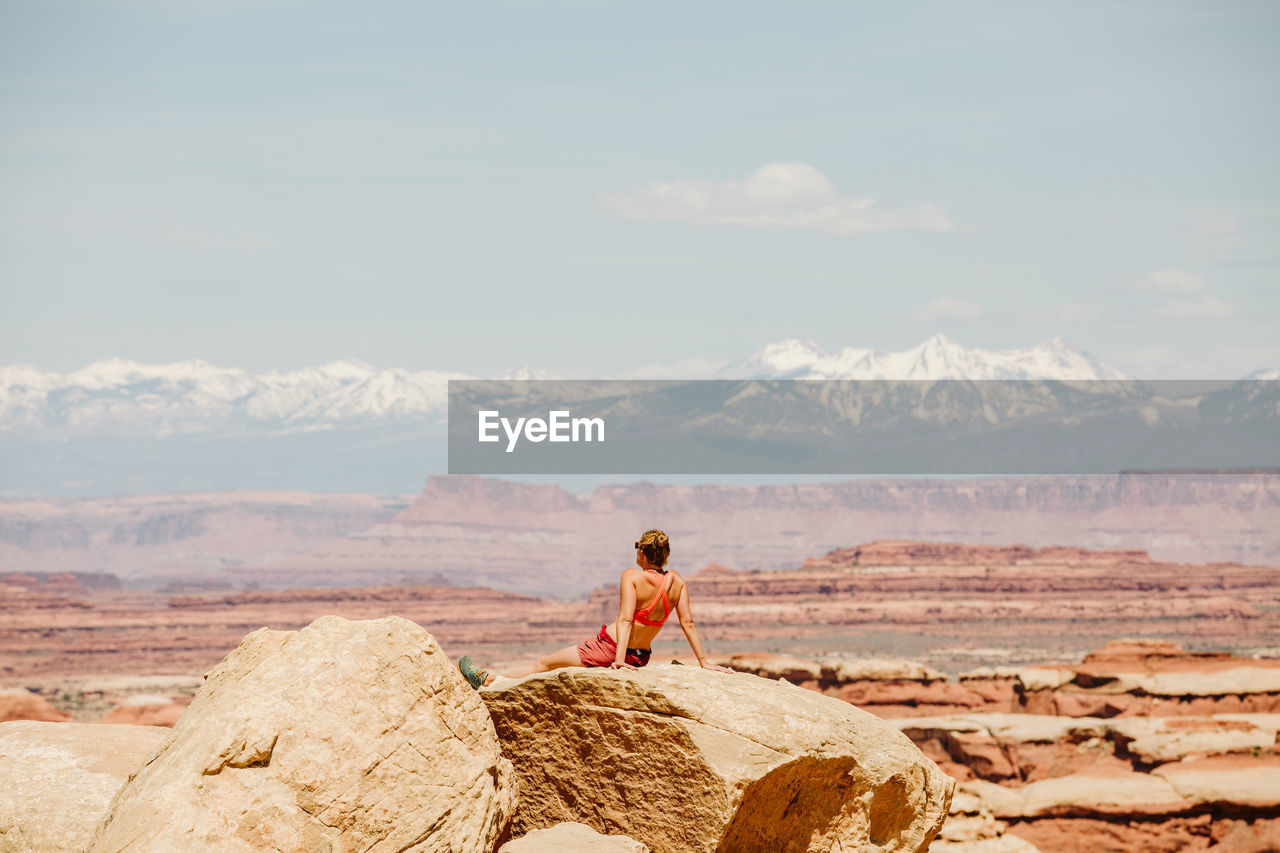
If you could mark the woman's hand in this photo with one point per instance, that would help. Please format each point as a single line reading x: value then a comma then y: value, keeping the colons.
x: 716, y: 667
x: 621, y: 665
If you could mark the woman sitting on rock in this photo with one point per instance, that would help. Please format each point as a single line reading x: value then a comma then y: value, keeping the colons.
x: 626, y: 643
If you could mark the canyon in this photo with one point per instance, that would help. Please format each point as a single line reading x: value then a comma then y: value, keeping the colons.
x: 951, y: 606
x: 1007, y: 665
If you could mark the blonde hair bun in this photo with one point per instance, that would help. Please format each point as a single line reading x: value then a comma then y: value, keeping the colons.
x: 655, y: 546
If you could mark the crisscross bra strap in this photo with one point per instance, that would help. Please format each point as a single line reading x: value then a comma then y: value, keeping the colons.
x: 642, y: 616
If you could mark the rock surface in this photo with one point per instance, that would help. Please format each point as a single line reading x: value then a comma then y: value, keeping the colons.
x: 57, y: 780
x: 687, y: 761
x: 343, y: 736
x: 572, y: 838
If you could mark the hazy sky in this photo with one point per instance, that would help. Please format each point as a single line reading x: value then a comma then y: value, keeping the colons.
x: 475, y: 186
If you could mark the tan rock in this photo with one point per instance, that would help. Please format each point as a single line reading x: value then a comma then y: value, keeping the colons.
x: 1163, y: 739
x: 686, y: 760
x: 20, y: 704
x: 341, y: 736
x: 1235, y: 780
x: 1239, y: 680
x: 57, y: 780
x: 835, y: 668
x: 1007, y: 728
x: 1088, y: 795
x: 940, y: 724
x: 1002, y: 801
x: 1115, y: 794
x: 572, y: 838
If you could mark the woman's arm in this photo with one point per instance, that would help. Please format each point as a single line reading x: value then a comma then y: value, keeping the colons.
x: 626, y: 618
x: 684, y: 612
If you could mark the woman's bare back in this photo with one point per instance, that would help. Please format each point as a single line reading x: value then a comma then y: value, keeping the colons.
x: 646, y: 585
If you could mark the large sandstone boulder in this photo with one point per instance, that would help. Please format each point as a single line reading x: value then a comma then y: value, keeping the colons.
x: 572, y: 838
x: 341, y: 736
x: 690, y: 761
x: 57, y: 780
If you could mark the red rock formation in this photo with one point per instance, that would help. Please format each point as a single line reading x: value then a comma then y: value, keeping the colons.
x: 18, y: 704
x: 149, y: 711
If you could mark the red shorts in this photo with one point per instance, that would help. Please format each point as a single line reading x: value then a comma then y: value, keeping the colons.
x: 601, y: 650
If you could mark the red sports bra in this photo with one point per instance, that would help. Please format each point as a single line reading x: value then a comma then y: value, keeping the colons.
x: 642, y: 616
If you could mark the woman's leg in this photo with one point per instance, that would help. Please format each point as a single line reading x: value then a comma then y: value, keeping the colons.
x: 568, y: 656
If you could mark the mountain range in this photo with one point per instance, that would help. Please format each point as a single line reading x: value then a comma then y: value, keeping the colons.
x: 121, y: 427
x: 189, y: 397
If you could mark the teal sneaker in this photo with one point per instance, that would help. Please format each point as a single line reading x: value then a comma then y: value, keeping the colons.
x: 475, y: 677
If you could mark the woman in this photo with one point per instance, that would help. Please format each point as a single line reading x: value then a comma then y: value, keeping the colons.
x: 626, y: 643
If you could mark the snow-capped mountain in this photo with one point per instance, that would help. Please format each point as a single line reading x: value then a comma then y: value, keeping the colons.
x: 121, y: 427
x: 937, y: 358
x: 194, y: 397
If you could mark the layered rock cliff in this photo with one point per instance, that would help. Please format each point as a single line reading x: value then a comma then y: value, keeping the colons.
x: 506, y: 534
x: 511, y: 535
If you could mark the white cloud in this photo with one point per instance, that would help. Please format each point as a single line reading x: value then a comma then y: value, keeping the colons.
x: 946, y: 311
x: 781, y: 195
x: 1171, y: 281
x: 1219, y: 227
x: 1188, y: 300
x: 1069, y: 314
x: 1201, y: 307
